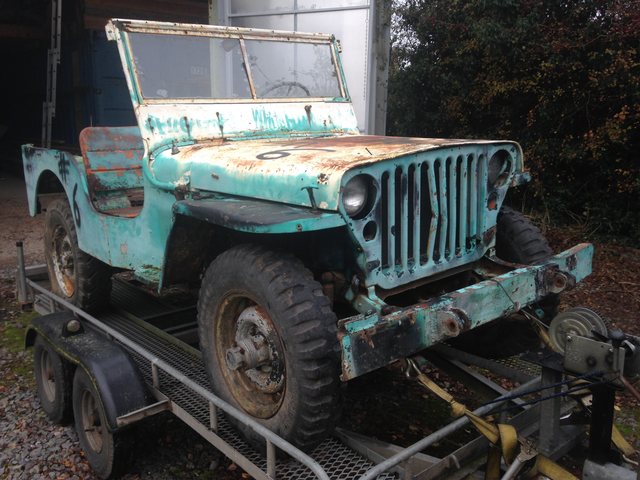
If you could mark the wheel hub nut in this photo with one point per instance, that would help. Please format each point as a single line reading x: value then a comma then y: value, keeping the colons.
x: 235, y: 358
x: 248, y: 353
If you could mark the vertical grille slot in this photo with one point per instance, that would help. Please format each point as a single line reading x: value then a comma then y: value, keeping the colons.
x: 481, y: 199
x: 473, y: 194
x: 463, y: 202
x: 426, y: 215
x: 386, y: 229
x: 435, y: 212
x: 413, y: 215
x: 399, y: 220
x: 441, y: 188
x: 452, y: 197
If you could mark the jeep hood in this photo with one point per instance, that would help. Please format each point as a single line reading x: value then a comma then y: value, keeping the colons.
x: 287, y: 170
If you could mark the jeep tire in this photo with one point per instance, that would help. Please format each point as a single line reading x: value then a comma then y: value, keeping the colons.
x: 75, y: 275
x: 269, y: 341
x: 518, y: 240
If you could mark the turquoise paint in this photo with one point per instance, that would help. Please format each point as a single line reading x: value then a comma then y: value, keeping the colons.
x: 479, y: 304
x: 131, y: 243
x: 479, y: 221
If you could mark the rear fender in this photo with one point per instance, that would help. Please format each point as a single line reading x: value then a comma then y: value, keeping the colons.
x: 42, y: 165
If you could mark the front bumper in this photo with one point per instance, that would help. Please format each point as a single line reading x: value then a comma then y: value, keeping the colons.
x: 372, y: 341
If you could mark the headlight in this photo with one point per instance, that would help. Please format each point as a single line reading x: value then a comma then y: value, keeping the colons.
x: 355, y: 195
x: 499, y: 168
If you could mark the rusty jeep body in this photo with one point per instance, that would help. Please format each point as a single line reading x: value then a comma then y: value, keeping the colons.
x: 320, y: 254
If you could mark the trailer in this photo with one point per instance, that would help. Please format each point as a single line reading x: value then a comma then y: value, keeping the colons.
x: 140, y: 358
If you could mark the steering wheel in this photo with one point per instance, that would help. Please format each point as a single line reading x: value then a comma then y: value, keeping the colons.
x: 291, y: 85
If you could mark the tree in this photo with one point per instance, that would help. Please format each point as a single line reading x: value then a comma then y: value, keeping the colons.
x: 560, y: 77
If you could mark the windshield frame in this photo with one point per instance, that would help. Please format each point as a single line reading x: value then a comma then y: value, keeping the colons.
x: 124, y: 27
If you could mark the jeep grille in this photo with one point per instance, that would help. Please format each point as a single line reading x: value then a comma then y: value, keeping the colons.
x: 431, y: 212
x: 434, y: 212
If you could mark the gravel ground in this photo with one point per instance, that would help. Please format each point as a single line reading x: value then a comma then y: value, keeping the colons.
x: 16, y: 224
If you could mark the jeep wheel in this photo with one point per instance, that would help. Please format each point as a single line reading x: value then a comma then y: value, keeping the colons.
x: 53, y: 382
x: 269, y: 341
x: 518, y: 240
x: 76, y: 276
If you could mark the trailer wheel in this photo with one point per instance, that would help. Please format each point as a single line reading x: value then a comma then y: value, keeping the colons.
x: 269, y: 342
x: 518, y: 240
x: 108, y: 453
x: 75, y: 275
x: 54, y: 377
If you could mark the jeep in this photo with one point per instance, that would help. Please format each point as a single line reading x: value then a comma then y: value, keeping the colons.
x: 318, y: 253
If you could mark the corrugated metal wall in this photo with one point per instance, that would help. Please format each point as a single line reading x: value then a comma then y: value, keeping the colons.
x: 97, y: 12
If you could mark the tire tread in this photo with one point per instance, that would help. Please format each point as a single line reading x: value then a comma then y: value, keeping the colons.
x: 309, y: 324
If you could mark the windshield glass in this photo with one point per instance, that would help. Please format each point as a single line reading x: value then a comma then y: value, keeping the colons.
x: 198, y: 67
x: 301, y: 69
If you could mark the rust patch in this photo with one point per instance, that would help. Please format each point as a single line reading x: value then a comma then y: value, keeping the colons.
x: 329, y: 154
x: 488, y: 236
x: 492, y: 201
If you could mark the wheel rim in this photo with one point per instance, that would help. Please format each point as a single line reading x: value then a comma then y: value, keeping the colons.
x: 91, y: 421
x: 250, y: 355
x: 63, y: 262
x: 47, y: 377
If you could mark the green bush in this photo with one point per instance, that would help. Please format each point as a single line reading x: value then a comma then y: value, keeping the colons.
x: 560, y: 77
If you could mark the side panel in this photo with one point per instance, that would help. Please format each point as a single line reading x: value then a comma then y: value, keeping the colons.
x: 132, y: 243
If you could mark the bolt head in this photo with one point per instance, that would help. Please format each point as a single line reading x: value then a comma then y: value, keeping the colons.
x: 235, y: 358
x: 73, y: 326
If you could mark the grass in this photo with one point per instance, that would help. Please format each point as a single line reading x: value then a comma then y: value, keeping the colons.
x: 19, y: 363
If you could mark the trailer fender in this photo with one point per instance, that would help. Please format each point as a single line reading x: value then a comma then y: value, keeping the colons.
x: 111, y: 369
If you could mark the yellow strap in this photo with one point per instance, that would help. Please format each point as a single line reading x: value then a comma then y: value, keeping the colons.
x: 542, y: 333
x: 504, y: 438
x: 457, y: 408
x: 550, y: 469
x: 620, y: 442
x: 506, y: 447
x: 508, y: 441
x: 492, y: 468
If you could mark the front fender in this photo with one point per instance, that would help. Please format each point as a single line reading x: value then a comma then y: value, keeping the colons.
x: 258, y: 216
